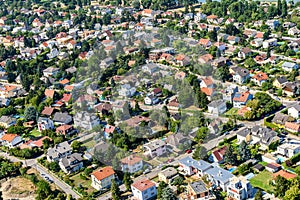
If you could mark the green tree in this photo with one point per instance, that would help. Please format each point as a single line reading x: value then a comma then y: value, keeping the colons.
x: 160, y: 188
x: 30, y: 114
x: 244, y: 152
x: 230, y: 156
x: 258, y: 195
x: 293, y: 193
x: 43, y: 190
x: 284, y: 8
x: 76, y: 145
x: 115, y: 190
x: 127, y: 181
x: 281, y: 185
x: 168, y: 194
x: 279, y: 7
x: 199, y: 153
x: 201, y: 134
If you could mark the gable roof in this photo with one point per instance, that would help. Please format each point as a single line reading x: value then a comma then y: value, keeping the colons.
x: 261, y: 76
x: 103, y: 173
x: 143, y: 184
x: 48, y: 111
x: 284, y: 174
x: 9, y: 137
x: 207, y: 91
x: 131, y: 160
x: 49, y: 93
x: 219, y: 153
x: 241, y: 97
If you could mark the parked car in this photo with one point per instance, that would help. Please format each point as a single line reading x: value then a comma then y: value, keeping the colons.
x: 188, y: 151
x: 146, y: 171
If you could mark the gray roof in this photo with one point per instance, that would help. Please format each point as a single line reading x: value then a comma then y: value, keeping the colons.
x: 199, y: 187
x: 216, y: 103
x: 176, y: 139
x: 200, y: 165
x: 62, y: 117
x: 288, y: 64
x: 240, y: 71
x: 71, y: 160
x: 169, y: 172
x: 296, y: 106
x: 266, y: 135
x: 155, y: 144
x: 244, y: 132
x: 219, y: 174
x: 281, y: 118
x: 281, y: 79
x: 59, y: 149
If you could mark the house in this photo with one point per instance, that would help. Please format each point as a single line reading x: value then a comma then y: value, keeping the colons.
x: 177, y: 139
x: 102, y: 178
x: 7, y: 91
x: 47, y: 111
x: 292, y: 127
x: 217, y: 156
x: 59, y: 151
x: 218, y: 62
x: 105, y: 63
x: 289, y: 66
x: 258, y: 167
x: 229, y: 93
x: 144, y: 189
x: 132, y: 164
x: 150, y: 68
x: 284, y: 174
x: 215, y: 126
x: 11, y: 140
x: 206, y: 82
x: 288, y: 149
x: 294, y: 31
x: 239, y: 74
x: 49, y: 93
x: 188, y: 166
x: 218, y: 177
x: 60, y: 118
x: 206, y: 43
x: 217, y: 107
x: 272, y: 23
x: 205, y: 59
x: 273, y: 167
x: 182, y: 60
x: 290, y: 88
x: 279, y: 119
x: 51, y: 72
x: 127, y: 91
x: 65, y: 129
x: 198, y: 190
x: 233, y: 39
x: 257, y: 134
x: 7, y: 121
x: 258, y: 42
x: 45, y: 123
x: 151, y: 99
x: 212, y: 19
x: 269, y: 43
x: 209, y: 92
x: 167, y: 175
x: 279, y: 81
x: 71, y: 163
x: 86, y: 120
x: 240, y: 188
x: 259, y: 78
x: 240, y: 99
x: 244, y: 52
x: 180, y: 75
x: 155, y: 148
x: 220, y: 45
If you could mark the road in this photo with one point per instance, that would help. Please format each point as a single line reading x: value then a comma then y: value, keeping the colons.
x: 42, y: 170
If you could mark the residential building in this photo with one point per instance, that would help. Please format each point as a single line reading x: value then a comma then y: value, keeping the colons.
x: 269, y: 43
x: 167, y: 175
x: 207, y: 82
x: 240, y: 188
x: 217, y: 156
x: 188, y: 166
x: 244, y: 53
x: 229, y: 93
x: 240, y: 99
x: 155, y: 148
x: 86, y: 120
x: 7, y: 121
x: 71, y: 163
x: 102, y: 178
x: 11, y: 140
x: 59, y: 151
x: 144, y: 189
x: 219, y: 177
x: 289, y: 149
x: 293, y: 111
x: 272, y: 23
x: 205, y: 59
x: 127, y: 90
x: 280, y: 119
x: 218, y: 62
x: 259, y: 78
x: 198, y: 190
x: 60, y: 118
x: 279, y: 81
x: 292, y: 127
x: 215, y: 127
x: 51, y: 71
x: 239, y: 74
x: 217, y: 107
x: 45, y: 123
x: 177, y: 139
x: 289, y: 66
x: 65, y: 129
x: 132, y: 164
x: 273, y: 167
x: 206, y: 43
x: 7, y: 91
x: 151, y: 99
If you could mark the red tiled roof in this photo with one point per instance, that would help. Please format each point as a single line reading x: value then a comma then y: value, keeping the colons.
x: 103, y: 173
x: 207, y: 80
x: 66, y: 97
x: 212, y: 17
x: 64, y: 127
x: 47, y: 111
x: 131, y: 160
x: 261, y: 76
x: 49, y: 93
x: 284, y: 174
x: 65, y: 81
x: 220, y: 153
x: 207, y: 91
x: 109, y: 129
x: 68, y: 88
x: 292, y: 126
x: 180, y: 57
x: 143, y: 185
x: 243, y: 97
x: 39, y: 142
x: 204, y: 41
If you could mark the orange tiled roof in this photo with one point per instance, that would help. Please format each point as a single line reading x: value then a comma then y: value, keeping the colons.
x: 207, y: 80
x: 65, y: 81
x: 207, y: 91
x: 212, y: 17
x: 103, y: 173
x: 143, y: 185
x: 284, y: 174
x: 204, y: 41
x: 242, y: 98
x: 49, y: 93
x: 260, y: 76
x: 131, y: 160
x: 9, y: 137
x: 292, y: 125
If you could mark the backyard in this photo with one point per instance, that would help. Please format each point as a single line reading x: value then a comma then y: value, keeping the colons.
x: 262, y: 181
x: 78, y: 181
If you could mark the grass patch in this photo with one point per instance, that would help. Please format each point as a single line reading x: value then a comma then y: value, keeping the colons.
x: 231, y: 112
x: 34, y: 133
x: 89, y: 144
x: 84, y: 183
x: 262, y: 181
x: 263, y: 163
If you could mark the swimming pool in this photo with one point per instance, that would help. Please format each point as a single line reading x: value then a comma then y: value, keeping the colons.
x: 281, y: 159
x: 232, y: 169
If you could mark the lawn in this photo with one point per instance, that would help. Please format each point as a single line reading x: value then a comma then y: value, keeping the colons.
x: 262, y: 181
x: 34, y: 133
x: 231, y: 112
x: 89, y: 144
x: 84, y: 183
